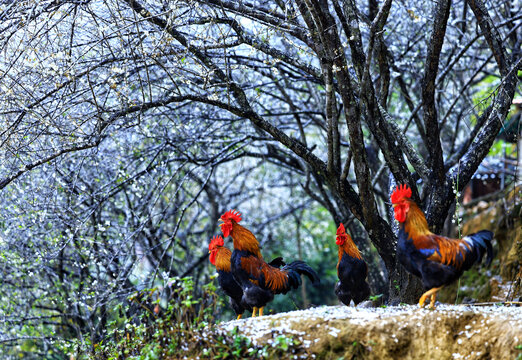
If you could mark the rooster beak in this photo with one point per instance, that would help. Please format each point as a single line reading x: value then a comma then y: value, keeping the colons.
x: 210, y: 251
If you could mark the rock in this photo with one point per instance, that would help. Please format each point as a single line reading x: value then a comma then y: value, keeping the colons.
x: 467, y: 300
x: 401, y: 332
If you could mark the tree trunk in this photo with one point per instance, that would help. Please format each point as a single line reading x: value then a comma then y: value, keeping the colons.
x: 306, y: 302
x: 404, y: 287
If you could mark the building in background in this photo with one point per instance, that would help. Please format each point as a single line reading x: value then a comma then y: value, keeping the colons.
x: 497, y: 172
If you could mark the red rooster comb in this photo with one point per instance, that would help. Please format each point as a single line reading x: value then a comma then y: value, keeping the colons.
x: 401, y: 191
x: 341, y: 230
x: 231, y: 215
x: 216, y: 241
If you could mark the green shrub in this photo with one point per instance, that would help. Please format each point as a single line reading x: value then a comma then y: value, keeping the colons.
x: 185, y: 327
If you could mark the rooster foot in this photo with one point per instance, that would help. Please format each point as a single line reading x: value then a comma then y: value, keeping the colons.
x: 430, y: 293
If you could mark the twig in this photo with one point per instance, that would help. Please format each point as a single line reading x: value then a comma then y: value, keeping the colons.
x: 489, y: 303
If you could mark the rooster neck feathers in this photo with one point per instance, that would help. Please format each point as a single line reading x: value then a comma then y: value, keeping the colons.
x: 346, y: 244
x: 349, y: 248
x: 416, y: 225
x: 244, y: 240
x: 223, y: 255
x: 408, y: 214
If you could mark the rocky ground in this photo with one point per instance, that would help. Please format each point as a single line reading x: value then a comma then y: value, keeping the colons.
x: 399, y: 332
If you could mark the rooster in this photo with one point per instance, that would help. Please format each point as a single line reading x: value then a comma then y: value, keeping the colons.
x: 437, y: 260
x: 220, y: 258
x: 351, y: 270
x: 259, y: 280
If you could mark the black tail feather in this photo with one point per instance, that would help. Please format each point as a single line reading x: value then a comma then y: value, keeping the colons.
x: 302, y: 268
x: 277, y: 262
x: 482, y: 242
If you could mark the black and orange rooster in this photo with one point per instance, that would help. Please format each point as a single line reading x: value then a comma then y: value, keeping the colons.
x: 259, y: 280
x: 351, y: 270
x: 437, y: 260
x: 220, y: 258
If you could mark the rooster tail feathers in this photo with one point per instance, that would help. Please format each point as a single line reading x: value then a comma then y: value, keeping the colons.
x: 484, y: 238
x: 299, y: 268
x: 277, y: 262
x: 292, y: 273
x: 480, y: 242
x: 279, y: 281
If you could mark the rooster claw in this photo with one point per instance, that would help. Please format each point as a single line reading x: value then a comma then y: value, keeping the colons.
x: 432, y: 294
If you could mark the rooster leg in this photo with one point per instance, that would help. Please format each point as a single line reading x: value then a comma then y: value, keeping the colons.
x: 254, y: 310
x: 261, y: 311
x: 433, y: 297
x: 424, y: 296
x: 239, y: 316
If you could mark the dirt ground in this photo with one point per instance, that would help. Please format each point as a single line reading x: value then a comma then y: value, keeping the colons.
x: 400, y: 332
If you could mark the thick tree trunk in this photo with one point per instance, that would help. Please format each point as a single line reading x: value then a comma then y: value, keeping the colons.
x: 404, y: 287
